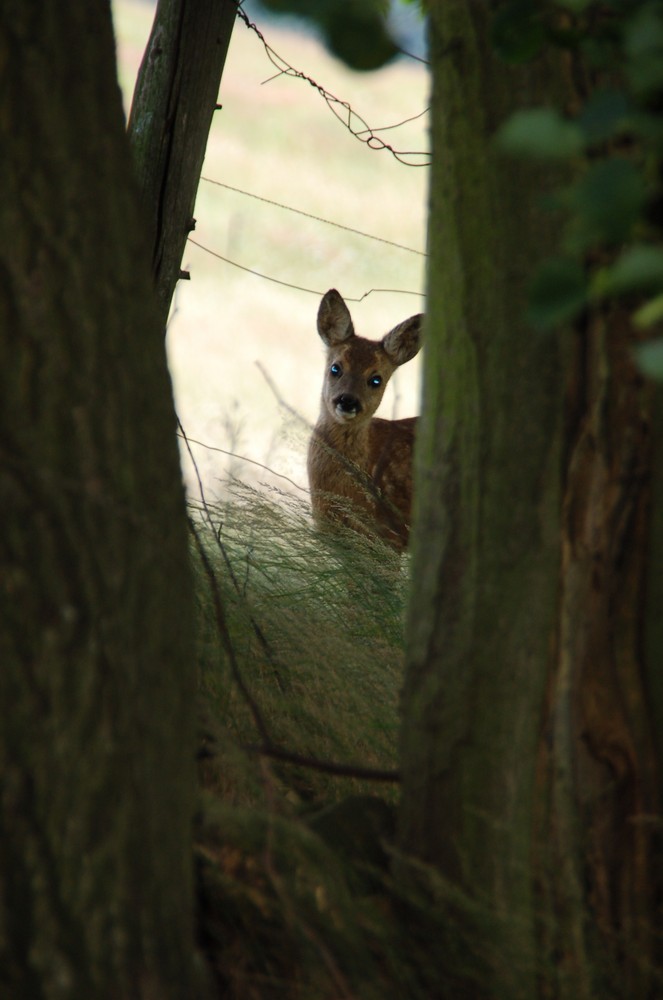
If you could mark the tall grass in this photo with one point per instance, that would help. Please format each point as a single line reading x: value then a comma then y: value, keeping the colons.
x: 302, y: 891
x: 304, y: 650
x: 300, y: 648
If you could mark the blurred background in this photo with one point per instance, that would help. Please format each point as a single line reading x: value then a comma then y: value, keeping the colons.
x: 245, y: 358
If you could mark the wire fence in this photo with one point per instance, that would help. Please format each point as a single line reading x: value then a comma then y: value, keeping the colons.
x: 370, y: 137
x: 360, y: 129
x: 341, y: 109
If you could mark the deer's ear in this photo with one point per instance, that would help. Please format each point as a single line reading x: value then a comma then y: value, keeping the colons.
x: 334, y: 320
x: 404, y: 341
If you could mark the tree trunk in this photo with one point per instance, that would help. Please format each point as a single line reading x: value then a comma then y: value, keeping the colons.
x: 97, y: 681
x: 527, y: 757
x: 175, y: 98
x: 598, y: 758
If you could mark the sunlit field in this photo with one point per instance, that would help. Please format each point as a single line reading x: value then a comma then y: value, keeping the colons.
x: 245, y: 357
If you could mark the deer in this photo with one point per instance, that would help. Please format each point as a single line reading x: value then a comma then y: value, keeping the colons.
x: 360, y: 465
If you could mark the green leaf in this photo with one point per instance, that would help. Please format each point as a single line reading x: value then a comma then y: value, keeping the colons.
x: 357, y: 33
x: 576, y: 6
x: 604, y: 115
x: 639, y: 268
x: 607, y: 201
x: 517, y: 31
x: 648, y: 125
x: 359, y: 37
x: 651, y: 312
x: 557, y: 293
x: 649, y: 358
x: 643, y: 45
x: 540, y: 133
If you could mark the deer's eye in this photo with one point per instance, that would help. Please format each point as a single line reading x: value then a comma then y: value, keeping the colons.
x: 375, y: 381
x: 335, y: 370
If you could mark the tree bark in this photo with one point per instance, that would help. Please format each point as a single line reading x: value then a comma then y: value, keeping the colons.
x: 97, y: 683
x: 172, y: 109
x: 599, y: 761
x: 529, y: 770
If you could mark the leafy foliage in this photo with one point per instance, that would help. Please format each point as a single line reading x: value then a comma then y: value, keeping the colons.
x: 557, y: 292
x: 613, y: 144
x: 650, y: 358
x: 541, y: 133
x: 355, y: 32
x: 518, y: 30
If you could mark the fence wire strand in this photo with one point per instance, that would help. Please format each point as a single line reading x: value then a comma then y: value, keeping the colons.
x: 342, y: 110
x: 299, y: 288
x: 315, y: 218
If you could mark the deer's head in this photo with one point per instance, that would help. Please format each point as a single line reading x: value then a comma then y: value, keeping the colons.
x: 358, y: 370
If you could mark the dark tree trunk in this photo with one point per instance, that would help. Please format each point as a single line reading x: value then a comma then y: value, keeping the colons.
x: 529, y: 767
x: 175, y: 98
x: 97, y: 679
x: 599, y: 763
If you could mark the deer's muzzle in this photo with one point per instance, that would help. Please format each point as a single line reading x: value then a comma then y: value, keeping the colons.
x: 347, y: 406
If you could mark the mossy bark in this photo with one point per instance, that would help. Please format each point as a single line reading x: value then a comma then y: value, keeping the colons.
x: 97, y: 683
x: 171, y: 113
x: 530, y: 549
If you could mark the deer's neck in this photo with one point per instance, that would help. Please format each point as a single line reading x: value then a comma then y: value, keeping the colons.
x: 351, y: 439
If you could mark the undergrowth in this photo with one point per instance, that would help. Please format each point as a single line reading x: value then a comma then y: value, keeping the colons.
x: 308, y: 656
x: 300, y: 657
x: 302, y: 893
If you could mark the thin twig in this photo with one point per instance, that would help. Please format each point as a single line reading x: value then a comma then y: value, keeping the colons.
x: 260, y: 635
x: 222, y: 626
x: 325, y: 766
x: 242, y: 458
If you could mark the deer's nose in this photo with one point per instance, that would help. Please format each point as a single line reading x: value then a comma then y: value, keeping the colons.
x: 347, y: 403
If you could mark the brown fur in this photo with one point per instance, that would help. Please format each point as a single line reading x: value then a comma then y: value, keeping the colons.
x: 360, y: 466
